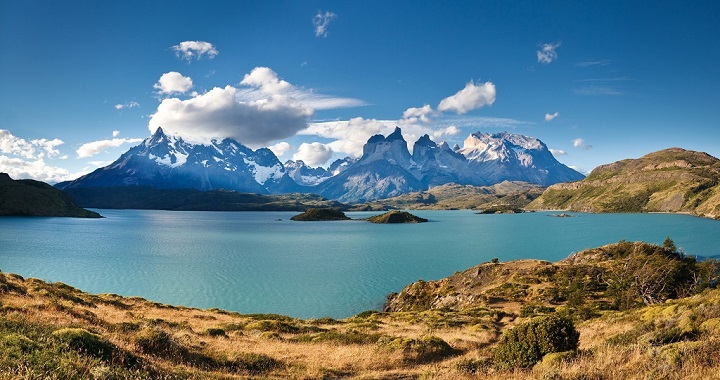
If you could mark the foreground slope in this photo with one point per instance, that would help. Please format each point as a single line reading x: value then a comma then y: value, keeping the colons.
x: 34, y: 198
x: 56, y: 331
x: 670, y: 180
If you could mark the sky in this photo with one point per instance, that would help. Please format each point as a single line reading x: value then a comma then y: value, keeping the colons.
x: 598, y: 81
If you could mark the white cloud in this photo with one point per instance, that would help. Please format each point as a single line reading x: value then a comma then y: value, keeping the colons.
x: 557, y: 152
x: 188, y: 50
x: 218, y: 113
x: 173, y: 83
x: 11, y: 144
x: 313, y: 154
x: 92, y: 148
x: 414, y: 114
x: 100, y: 164
x: 263, y: 81
x: 449, y: 131
x: 35, y: 169
x: 550, y: 116
x: 469, y: 98
x: 598, y: 90
x: 280, y: 148
x: 603, y: 62
x: 580, y: 144
x: 547, y: 53
x: 267, y: 81
x: 261, y: 109
x: 116, y: 133
x: 132, y: 104
x: 321, y: 22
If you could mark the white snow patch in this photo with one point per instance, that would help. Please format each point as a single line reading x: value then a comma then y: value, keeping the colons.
x: 263, y: 173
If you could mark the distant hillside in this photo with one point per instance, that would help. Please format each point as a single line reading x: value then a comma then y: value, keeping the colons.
x: 34, y: 198
x: 670, y: 180
x: 465, y: 197
x: 146, y: 198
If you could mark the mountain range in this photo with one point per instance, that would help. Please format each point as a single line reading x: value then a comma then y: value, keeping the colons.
x: 385, y: 169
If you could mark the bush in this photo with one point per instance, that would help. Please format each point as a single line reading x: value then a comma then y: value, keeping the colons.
x: 425, y: 349
x: 85, y: 342
x: 525, y: 344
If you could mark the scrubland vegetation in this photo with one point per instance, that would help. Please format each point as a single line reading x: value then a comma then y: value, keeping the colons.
x: 599, y: 314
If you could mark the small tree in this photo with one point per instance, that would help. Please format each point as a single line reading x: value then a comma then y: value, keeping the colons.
x: 525, y: 344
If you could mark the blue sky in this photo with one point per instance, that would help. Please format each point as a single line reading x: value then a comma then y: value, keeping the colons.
x: 83, y: 81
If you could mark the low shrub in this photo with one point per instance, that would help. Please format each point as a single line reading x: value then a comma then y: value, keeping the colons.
x: 525, y: 344
x: 85, y: 342
x: 425, y: 349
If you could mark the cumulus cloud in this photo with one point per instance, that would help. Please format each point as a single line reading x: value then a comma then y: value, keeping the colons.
x: 580, y: 144
x: 261, y: 109
x: 218, y: 114
x: 547, y: 53
x: 550, y: 116
x: 37, y: 148
x: 173, y: 83
x: 116, y: 133
x: 557, y: 152
x: 267, y: 81
x: 321, y: 22
x: 36, y: 169
x: 415, y: 114
x: 92, y: 148
x: 132, y: 104
x: 313, y: 154
x: 189, y: 50
x: 280, y: 148
x: 469, y: 98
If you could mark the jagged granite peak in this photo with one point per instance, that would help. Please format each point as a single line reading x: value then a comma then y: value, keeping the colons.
x: 392, y: 148
x: 339, y: 165
x: 384, y: 170
x: 304, y: 174
x: 165, y: 161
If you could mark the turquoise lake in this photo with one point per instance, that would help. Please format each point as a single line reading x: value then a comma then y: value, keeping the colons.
x: 261, y: 262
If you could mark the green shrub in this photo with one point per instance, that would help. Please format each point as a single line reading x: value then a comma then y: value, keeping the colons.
x: 525, y: 344
x: 153, y: 341
x: 425, y: 349
x: 85, y: 342
x: 215, y: 332
x: 252, y: 362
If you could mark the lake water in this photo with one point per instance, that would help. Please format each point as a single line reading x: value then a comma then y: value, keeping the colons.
x: 261, y: 262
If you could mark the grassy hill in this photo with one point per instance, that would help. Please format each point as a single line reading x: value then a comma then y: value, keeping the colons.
x: 465, y: 197
x: 51, y: 330
x: 34, y: 198
x: 670, y: 180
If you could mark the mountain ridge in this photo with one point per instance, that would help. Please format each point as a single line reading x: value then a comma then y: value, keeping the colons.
x: 386, y: 168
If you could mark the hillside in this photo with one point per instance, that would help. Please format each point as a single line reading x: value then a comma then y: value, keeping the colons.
x: 461, y: 197
x: 54, y: 328
x: 670, y: 180
x: 34, y: 198
x: 194, y: 200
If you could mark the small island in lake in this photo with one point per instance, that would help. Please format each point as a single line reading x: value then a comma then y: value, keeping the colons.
x: 317, y: 214
x: 396, y: 217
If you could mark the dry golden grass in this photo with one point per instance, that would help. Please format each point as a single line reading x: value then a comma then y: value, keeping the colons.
x: 210, y: 343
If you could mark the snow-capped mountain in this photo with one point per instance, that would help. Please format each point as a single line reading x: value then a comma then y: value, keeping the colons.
x: 507, y: 156
x: 386, y: 168
x: 168, y: 162
x: 305, y: 175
